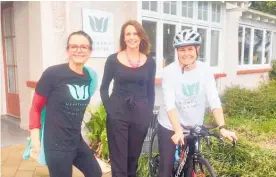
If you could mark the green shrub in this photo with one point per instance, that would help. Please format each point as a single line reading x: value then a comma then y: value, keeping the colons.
x: 272, y: 74
x: 259, y: 103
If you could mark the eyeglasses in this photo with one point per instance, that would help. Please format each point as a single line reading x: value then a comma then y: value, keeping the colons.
x: 74, y: 47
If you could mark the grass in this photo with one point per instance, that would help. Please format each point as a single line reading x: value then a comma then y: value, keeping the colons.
x: 254, y: 156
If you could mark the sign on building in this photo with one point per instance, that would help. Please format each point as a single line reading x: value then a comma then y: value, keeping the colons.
x: 99, y: 25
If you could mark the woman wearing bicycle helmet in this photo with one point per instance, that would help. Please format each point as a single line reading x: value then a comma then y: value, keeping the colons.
x: 188, y: 86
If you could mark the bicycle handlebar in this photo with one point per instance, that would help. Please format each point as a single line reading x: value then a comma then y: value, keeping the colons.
x: 203, y: 131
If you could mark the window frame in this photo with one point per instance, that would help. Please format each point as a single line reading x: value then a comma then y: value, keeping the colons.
x: 243, y: 66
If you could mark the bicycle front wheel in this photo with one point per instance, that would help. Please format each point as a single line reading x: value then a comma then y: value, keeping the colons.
x: 201, y: 168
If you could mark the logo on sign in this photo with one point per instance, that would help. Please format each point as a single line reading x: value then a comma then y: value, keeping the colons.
x: 99, y: 24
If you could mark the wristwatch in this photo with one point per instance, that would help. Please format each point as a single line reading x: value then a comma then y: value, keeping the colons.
x: 222, y: 126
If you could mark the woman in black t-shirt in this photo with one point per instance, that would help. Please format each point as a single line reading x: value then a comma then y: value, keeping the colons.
x: 60, y: 100
x: 130, y: 106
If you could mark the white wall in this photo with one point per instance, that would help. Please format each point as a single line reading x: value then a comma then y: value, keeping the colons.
x: 21, y: 18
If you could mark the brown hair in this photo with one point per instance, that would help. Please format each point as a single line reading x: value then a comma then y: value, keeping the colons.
x: 145, y: 45
x: 82, y: 33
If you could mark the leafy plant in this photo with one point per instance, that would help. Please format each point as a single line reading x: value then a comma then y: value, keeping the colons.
x: 259, y: 103
x: 97, y: 131
x: 272, y: 74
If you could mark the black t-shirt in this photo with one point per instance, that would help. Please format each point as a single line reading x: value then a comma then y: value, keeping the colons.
x: 133, y: 90
x: 67, y: 96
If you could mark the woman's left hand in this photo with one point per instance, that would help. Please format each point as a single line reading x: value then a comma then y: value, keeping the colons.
x: 229, y: 135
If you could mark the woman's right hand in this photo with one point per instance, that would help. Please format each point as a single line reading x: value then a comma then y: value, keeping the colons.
x: 35, y: 143
x: 178, y: 138
x: 35, y: 148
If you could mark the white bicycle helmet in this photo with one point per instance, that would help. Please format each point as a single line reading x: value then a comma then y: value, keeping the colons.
x: 187, y: 37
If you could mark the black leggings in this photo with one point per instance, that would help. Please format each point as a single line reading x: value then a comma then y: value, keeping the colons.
x: 166, y: 151
x: 60, y: 163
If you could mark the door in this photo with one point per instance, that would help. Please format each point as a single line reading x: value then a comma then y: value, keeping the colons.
x: 10, y: 66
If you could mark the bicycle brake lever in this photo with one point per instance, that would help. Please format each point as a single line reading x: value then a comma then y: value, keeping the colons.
x: 234, y: 143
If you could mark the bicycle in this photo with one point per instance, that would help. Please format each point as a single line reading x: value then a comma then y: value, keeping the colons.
x: 190, y: 153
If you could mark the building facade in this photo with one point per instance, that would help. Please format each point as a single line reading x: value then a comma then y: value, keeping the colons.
x: 238, y: 43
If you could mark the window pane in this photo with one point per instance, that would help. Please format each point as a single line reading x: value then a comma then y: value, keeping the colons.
x: 205, y: 5
x: 168, y: 50
x: 145, y: 5
x: 173, y: 7
x: 9, y: 51
x: 199, y: 11
x: 205, y: 15
x: 191, y: 4
x: 247, y: 43
x: 190, y: 12
x: 153, y: 6
x: 274, y: 47
x: 199, y: 14
x: 7, y: 22
x: 240, y: 43
x: 166, y: 7
x: 218, y: 17
x: 150, y: 28
x: 11, y: 79
x: 258, y: 48
x: 214, y: 48
x: 186, y: 27
x: 202, y: 51
x: 184, y: 9
x: 267, y: 46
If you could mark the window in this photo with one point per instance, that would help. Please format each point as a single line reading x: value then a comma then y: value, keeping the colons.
x: 202, y: 51
x: 149, y: 5
x: 168, y: 50
x: 255, y: 46
x: 274, y: 47
x: 214, y: 48
x: 170, y: 7
x: 187, y: 9
x: 174, y: 16
x: 150, y: 28
x: 267, y: 46
x: 216, y: 12
x: 202, y: 11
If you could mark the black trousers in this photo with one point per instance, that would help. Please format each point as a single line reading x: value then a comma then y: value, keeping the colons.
x: 125, y: 141
x: 60, y: 163
x: 166, y: 151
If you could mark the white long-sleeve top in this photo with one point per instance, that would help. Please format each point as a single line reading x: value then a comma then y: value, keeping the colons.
x: 189, y: 93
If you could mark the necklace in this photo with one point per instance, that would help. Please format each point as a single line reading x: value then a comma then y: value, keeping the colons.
x: 134, y: 65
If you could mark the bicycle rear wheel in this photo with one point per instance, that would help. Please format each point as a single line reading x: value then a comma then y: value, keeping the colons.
x: 154, y: 155
x: 201, y: 168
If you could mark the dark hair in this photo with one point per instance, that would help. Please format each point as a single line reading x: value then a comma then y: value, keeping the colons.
x: 145, y: 42
x: 82, y: 33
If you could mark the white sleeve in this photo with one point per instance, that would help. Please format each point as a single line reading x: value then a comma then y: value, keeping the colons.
x: 168, y: 90
x: 211, y: 90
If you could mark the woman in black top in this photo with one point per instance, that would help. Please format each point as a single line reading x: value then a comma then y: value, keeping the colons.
x: 130, y: 106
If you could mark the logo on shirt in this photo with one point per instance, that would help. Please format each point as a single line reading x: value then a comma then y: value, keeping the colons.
x: 79, y: 92
x: 191, y: 89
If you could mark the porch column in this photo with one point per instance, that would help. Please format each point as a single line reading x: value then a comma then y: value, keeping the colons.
x: 233, y: 15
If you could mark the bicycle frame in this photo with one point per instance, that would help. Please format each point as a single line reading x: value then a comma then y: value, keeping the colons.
x: 190, y: 150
